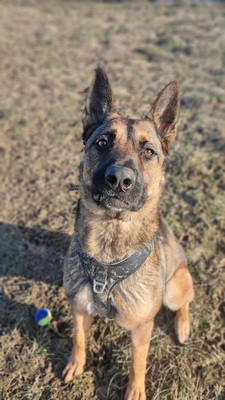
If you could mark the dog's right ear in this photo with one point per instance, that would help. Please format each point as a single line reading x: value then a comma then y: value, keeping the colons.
x: 99, y: 103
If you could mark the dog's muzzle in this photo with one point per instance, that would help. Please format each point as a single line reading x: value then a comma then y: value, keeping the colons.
x: 117, y: 188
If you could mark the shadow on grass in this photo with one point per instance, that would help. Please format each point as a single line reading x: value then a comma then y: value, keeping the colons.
x: 33, y: 253
x: 31, y: 271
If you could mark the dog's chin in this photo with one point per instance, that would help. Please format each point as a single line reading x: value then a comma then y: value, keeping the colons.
x: 114, y: 202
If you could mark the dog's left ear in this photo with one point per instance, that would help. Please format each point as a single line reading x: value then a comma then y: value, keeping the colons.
x: 99, y: 103
x: 164, y: 113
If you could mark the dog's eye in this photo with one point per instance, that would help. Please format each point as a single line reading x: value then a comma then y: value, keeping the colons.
x: 102, y: 143
x: 148, y: 153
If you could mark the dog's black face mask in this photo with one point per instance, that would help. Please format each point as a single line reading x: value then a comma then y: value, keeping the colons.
x: 111, y: 176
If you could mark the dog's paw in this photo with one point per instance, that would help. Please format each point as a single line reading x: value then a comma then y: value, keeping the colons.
x: 135, y: 392
x: 182, y: 326
x: 72, y: 369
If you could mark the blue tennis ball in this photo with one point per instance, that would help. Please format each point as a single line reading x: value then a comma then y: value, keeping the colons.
x: 43, y: 317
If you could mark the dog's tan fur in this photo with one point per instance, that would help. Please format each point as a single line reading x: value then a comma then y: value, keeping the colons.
x: 109, y: 233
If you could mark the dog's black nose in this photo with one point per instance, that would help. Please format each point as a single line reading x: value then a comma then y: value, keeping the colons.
x: 119, y: 178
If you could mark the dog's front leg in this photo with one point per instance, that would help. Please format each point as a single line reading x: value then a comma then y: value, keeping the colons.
x: 75, y: 365
x: 140, y: 338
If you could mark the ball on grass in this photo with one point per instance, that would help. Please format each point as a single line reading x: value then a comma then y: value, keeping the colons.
x: 43, y: 317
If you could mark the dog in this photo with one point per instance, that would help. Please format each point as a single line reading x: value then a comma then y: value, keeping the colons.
x: 124, y: 261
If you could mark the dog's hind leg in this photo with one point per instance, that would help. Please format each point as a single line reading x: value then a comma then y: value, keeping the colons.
x: 75, y: 365
x: 140, y: 337
x: 179, y: 293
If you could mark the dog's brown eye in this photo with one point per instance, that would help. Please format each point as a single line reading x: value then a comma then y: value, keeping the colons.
x: 148, y: 153
x: 102, y: 143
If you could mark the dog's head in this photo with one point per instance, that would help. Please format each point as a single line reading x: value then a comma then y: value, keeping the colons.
x: 122, y: 167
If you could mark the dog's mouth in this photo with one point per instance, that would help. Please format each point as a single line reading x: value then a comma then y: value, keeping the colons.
x: 112, y: 201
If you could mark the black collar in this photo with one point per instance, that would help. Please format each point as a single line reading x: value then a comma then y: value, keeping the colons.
x: 104, y: 277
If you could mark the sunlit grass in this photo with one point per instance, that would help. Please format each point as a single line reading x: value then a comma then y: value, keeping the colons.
x: 49, y: 51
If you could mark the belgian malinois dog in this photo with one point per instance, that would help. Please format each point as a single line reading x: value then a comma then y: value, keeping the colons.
x: 123, y: 261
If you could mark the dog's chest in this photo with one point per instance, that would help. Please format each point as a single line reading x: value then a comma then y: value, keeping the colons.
x: 122, y: 295
x: 104, y: 278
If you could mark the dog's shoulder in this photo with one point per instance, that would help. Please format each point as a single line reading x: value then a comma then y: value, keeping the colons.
x: 173, y: 252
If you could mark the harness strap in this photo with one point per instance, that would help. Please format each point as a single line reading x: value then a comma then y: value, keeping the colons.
x: 104, y: 277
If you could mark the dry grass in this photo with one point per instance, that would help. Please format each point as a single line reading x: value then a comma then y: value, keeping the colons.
x: 48, y: 53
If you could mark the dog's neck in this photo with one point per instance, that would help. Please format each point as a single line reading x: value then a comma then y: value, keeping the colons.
x: 110, y: 236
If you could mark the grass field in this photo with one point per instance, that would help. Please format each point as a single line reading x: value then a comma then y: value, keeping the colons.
x: 48, y: 52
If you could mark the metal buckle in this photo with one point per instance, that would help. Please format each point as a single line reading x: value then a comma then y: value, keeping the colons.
x: 98, y: 287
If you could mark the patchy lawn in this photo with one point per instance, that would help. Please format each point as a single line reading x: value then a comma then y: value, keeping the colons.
x: 49, y: 50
